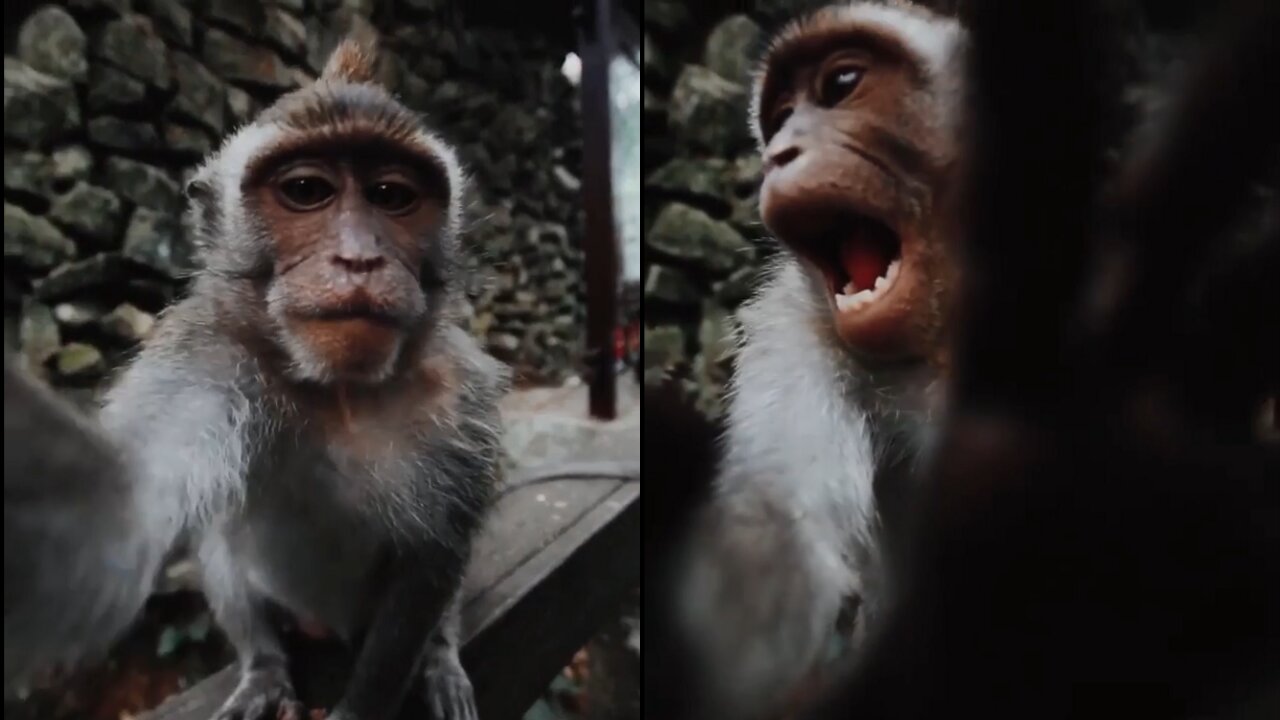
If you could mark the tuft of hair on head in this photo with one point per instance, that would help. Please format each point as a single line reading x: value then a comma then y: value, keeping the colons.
x: 353, y: 61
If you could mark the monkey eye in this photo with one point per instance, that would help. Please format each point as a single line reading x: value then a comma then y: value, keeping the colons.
x: 391, y: 197
x: 306, y: 192
x: 838, y: 83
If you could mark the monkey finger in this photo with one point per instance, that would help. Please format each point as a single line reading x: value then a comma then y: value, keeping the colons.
x: 451, y: 696
x: 436, y: 702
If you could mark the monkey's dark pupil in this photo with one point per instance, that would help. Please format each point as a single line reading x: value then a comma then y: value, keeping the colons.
x: 307, y: 192
x: 390, y: 196
x: 840, y: 84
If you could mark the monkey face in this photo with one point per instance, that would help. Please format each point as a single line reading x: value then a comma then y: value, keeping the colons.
x: 334, y: 217
x: 355, y: 257
x: 854, y: 160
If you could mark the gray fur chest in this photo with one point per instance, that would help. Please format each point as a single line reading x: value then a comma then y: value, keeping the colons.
x: 303, y: 542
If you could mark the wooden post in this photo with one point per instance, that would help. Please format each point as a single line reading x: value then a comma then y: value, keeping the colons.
x: 601, y: 240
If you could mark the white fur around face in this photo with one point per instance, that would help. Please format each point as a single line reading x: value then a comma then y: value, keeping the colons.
x: 790, y: 436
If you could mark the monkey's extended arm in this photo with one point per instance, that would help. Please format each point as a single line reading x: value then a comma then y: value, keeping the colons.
x: 78, y: 563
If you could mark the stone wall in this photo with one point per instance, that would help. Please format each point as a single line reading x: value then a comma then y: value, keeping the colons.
x: 109, y: 103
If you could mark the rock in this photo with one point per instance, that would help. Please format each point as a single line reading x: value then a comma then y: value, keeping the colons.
x: 50, y: 41
x: 689, y: 234
x: 77, y: 314
x: 716, y: 345
x: 34, y: 241
x: 415, y: 91
x: 247, y: 17
x: 201, y: 95
x: 503, y: 345
x: 80, y: 360
x: 71, y: 163
x: 112, y: 89
x: 171, y: 19
x: 667, y: 284
x: 38, y: 108
x: 100, y: 8
x: 114, y: 133
x: 73, y: 278
x: 144, y: 185
x: 153, y: 239
x: 707, y: 180
x: 238, y: 61
x: 300, y: 77
x: 656, y: 65
x: 426, y: 6
x: 27, y: 172
x: 733, y: 48
x: 567, y: 181
x: 669, y: 16
x: 745, y: 216
x: 654, y: 109
x: 38, y: 334
x: 240, y: 106
x: 286, y: 33
x: 90, y: 212
x: 664, y: 347
x: 190, y: 141
x: 747, y: 174
x: 738, y: 287
x: 131, y: 44
x: 128, y: 323
x: 709, y: 113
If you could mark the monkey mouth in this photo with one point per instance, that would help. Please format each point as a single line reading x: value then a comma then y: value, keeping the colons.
x: 358, y: 312
x: 868, y: 269
x: 860, y: 264
x: 862, y: 267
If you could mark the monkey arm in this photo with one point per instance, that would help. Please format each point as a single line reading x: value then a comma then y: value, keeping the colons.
x: 422, y: 587
x: 76, y: 571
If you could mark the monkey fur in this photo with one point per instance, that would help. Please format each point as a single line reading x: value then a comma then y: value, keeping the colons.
x: 75, y: 570
x: 310, y: 417
x: 832, y: 399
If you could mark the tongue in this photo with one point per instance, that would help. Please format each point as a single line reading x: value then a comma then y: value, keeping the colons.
x: 864, y: 261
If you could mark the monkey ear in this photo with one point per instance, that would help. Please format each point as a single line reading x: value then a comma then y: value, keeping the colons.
x: 354, y: 61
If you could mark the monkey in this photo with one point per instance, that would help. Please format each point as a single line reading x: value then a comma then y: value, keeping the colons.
x: 311, y: 418
x: 840, y: 355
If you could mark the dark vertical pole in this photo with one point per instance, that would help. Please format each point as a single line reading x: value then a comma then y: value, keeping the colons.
x: 601, y: 246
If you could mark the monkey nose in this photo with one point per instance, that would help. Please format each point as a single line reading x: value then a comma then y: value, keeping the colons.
x: 783, y: 155
x: 358, y: 264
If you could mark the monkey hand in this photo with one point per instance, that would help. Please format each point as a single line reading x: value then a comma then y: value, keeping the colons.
x: 448, y: 691
x: 263, y: 694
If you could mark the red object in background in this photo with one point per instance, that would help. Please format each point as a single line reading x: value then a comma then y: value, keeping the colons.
x: 626, y: 340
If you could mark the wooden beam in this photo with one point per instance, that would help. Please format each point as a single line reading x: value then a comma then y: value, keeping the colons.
x: 601, y: 240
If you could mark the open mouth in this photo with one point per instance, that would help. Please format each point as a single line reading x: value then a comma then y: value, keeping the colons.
x: 860, y: 260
